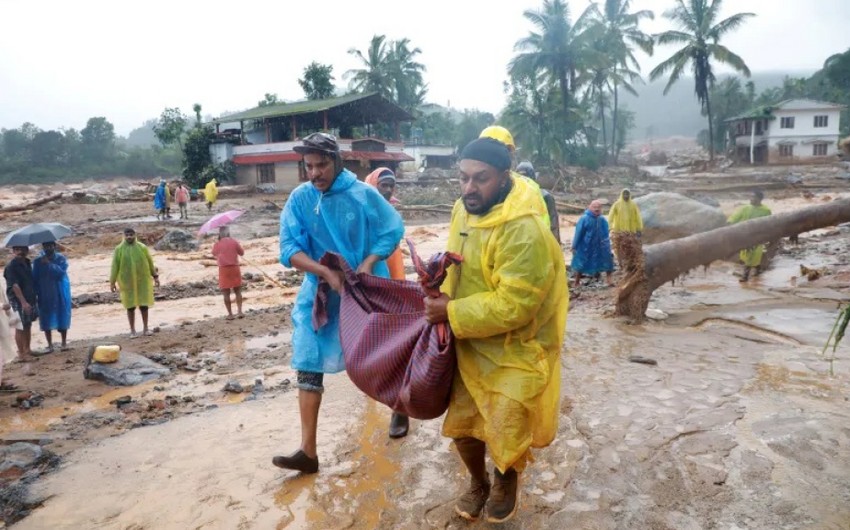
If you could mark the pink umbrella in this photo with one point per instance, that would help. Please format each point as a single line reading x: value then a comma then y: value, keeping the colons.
x: 219, y: 220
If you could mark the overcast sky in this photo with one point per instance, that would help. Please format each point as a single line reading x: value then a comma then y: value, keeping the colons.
x: 64, y: 61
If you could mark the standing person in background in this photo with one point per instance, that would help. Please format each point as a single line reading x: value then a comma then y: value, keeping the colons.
x: 53, y: 291
x: 182, y: 197
x: 167, y: 201
x: 526, y: 169
x: 134, y: 275
x: 159, y: 200
x: 592, y: 246
x: 20, y: 291
x: 384, y: 180
x: 626, y: 227
x: 751, y: 257
x: 7, y: 342
x: 227, y: 251
x: 211, y: 194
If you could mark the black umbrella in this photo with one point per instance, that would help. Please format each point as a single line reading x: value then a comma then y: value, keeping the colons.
x: 36, y: 233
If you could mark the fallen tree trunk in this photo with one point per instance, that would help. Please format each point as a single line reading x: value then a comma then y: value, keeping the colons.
x: 31, y: 205
x: 667, y: 261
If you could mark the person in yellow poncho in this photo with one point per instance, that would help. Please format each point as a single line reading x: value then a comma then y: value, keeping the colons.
x: 626, y: 226
x: 751, y: 257
x: 507, y: 307
x: 210, y: 193
x: 134, y: 275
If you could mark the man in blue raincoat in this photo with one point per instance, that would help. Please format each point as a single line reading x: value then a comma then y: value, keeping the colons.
x: 53, y: 290
x: 159, y: 200
x: 333, y: 212
x: 592, y: 245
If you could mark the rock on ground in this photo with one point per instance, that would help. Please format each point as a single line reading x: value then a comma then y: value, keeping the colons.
x: 670, y: 215
x: 177, y: 240
x: 130, y: 369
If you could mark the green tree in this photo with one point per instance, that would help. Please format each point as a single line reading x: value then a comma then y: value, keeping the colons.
x: 196, y: 155
x: 700, y: 34
x: 16, y: 145
x: 196, y: 108
x: 269, y: 99
x: 98, y: 139
x: 837, y: 69
x: 620, y: 35
x: 171, y: 127
x: 375, y: 74
x: 48, y: 149
x: 729, y: 99
x: 470, y: 126
x: 407, y: 74
x: 317, y: 81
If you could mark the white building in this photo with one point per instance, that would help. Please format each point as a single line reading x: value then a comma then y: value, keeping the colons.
x: 792, y: 131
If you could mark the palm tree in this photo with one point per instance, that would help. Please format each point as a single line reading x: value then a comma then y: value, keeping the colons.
x: 407, y: 75
x: 554, y: 48
x: 621, y: 35
x: 376, y: 73
x: 700, y: 33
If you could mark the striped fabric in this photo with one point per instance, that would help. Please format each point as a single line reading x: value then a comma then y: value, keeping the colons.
x: 391, y: 353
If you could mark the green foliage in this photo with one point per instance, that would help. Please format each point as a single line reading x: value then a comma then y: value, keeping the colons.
x: 391, y: 69
x: 699, y: 34
x: 196, y: 155
x: 171, y: 127
x: 470, y: 126
x: 268, y: 99
x: 196, y: 108
x: 98, y: 139
x: 437, y: 128
x: 317, y: 81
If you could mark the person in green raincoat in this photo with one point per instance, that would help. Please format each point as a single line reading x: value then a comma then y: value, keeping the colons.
x: 507, y: 307
x: 134, y: 276
x: 751, y: 257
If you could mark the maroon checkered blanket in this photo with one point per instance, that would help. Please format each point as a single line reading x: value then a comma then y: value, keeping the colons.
x: 391, y: 353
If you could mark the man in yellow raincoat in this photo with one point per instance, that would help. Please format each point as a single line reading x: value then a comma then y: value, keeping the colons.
x: 751, y: 257
x: 210, y: 193
x: 626, y: 226
x: 507, y: 306
x: 134, y: 275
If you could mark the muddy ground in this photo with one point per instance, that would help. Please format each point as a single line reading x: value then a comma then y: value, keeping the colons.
x: 741, y: 424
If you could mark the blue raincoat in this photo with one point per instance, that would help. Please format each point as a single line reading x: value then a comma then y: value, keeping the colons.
x: 159, y: 197
x: 592, y: 246
x: 351, y: 219
x: 53, y: 291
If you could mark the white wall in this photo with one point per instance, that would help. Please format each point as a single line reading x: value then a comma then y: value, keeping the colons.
x: 804, y: 124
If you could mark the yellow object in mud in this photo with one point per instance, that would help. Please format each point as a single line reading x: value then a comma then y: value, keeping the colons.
x: 106, y: 354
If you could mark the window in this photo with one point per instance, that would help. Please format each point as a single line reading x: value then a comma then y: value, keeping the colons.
x: 819, y: 149
x: 786, y: 151
x: 786, y: 123
x: 821, y: 121
x: 265, y: 174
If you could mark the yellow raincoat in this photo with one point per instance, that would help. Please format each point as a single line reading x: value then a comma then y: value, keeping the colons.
x: 211, y: 192
x: 625, y: 216
x: 133, y: 269
x: 508, y: 313
x: 751, y: 257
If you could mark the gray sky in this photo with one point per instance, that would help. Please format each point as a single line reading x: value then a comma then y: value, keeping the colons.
x: 63, y: 61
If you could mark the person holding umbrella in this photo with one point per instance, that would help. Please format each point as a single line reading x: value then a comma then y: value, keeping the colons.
x: 227, y: 251
x: 20, y: 290
x: 53, y: 292
x: 134, y: 275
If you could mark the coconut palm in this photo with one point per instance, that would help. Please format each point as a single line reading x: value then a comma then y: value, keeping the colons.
x: 555, y: 47
x: 376, y: 73
x: 407, y: 75
x: 621, y: 34
x: 700, y: 33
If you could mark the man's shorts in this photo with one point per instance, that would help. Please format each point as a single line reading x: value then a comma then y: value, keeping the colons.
x: 24, y: 320
x: 310, y: 381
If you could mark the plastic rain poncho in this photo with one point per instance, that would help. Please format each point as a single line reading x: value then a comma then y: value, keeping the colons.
x: 159, y: 197
x: 53, y: 290
x: 751, y: 257
x: 508, y: 314
x: 624, y: 216
x: 592, y: 245
x: 351, y: 219
x: 133, y: 270
x: 211, y: 192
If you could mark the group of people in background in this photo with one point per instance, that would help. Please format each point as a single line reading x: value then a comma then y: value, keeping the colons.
x: 40, y: 291
x: 165, y: 195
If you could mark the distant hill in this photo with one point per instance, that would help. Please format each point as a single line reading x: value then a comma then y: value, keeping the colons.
x: 678, y: 113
